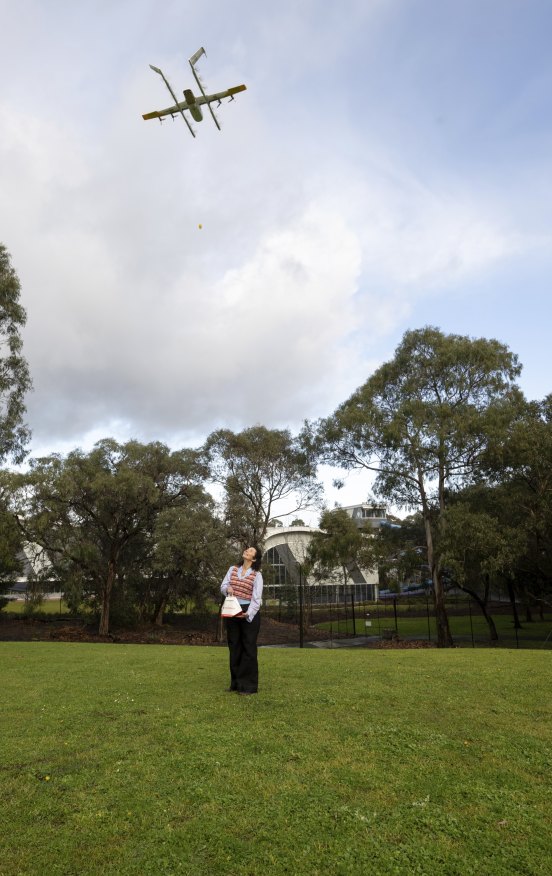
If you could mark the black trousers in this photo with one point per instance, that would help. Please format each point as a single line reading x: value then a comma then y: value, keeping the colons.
x: 242, y: 642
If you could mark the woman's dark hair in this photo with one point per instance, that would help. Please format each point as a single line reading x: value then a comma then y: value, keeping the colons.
x: 256, y: 564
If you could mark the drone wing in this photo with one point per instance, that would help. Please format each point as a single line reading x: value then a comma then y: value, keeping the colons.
x: 193, y: 61
x: 230, y: 92
x: 175, y: 109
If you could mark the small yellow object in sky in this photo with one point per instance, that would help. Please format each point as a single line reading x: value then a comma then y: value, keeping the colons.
x: 200, y: 226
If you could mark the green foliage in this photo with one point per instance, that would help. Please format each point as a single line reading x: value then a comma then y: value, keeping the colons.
x: 15, y: 379
x: 10, y: 538
x: 475, y: 544
x: 520, y: 467
x: 191, y: 557
x: 422, y: 420
x: 95, y: 514
x: 258, y: 468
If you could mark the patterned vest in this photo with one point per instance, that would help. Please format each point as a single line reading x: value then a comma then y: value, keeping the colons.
x: 243, y: 587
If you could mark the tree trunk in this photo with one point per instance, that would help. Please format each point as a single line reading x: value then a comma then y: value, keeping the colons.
x: 444, y: 637
x: 160, y: 611
x: 482, y: 603
x: 345, y: 578
x: 106, y: 599
x: 512, y: 595
x: 490, y: 623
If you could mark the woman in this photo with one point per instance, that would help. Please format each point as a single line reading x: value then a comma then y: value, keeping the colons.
x: 245, y: 582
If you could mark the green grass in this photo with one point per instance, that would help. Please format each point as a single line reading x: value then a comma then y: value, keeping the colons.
x: 52, y: 606
x: 48, y: 606
x: 120, y: 760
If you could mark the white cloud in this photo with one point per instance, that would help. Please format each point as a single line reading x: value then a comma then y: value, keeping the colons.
x: 263, y: 340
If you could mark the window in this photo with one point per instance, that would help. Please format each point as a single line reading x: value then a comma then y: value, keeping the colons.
x: 281, y: 574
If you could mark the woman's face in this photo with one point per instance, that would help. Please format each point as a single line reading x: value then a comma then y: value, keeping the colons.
x: 250, y: 554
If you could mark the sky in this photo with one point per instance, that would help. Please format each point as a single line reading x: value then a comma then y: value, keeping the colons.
x: 388, y: 167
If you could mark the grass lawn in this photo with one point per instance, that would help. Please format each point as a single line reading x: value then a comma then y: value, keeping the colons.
x: 132, y: 759
x: 48, y: 606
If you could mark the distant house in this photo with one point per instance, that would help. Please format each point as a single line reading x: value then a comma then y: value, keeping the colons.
x: 366, y: 515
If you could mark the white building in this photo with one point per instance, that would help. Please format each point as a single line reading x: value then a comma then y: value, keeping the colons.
x: 285, y: 551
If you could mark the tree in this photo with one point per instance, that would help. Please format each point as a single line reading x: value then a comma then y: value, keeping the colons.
x: 95, y: 513
x: 422, y: 422
x: 258, y: 468
x: 477, y: 547
x: 520, y: 468
x: 337, y: 544
x: 15, y: 379
x: 191, y: 555
x: 10, y: 542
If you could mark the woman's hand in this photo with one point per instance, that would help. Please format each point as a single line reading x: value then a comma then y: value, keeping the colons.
x: 229, y: 590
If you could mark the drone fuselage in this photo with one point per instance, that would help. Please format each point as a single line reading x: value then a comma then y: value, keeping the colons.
x: 195, y: 109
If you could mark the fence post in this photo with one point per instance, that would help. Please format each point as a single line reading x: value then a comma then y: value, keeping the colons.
x: 428, y: 621
x: 395, y: 613
x: 345, y: 611
x: 300, y: 607
x: 353, y: 612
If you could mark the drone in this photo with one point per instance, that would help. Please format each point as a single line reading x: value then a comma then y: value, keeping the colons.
x: 191, y: 103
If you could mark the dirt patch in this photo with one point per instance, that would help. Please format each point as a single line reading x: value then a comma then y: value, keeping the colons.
x: 396, y: 643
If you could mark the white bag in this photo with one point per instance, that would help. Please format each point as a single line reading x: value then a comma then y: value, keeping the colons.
x: 231, y: 607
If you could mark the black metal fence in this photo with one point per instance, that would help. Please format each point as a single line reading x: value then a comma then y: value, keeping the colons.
x: 327, y: 614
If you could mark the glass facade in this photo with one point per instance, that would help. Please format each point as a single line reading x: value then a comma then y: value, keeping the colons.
x: 279, y: 571
x: 362, y: 512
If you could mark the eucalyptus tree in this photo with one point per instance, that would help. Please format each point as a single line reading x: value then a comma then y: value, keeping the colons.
x: 422, y: 423
x: 15, y: 379
x: 95, y: 513
x: 258, y: 468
